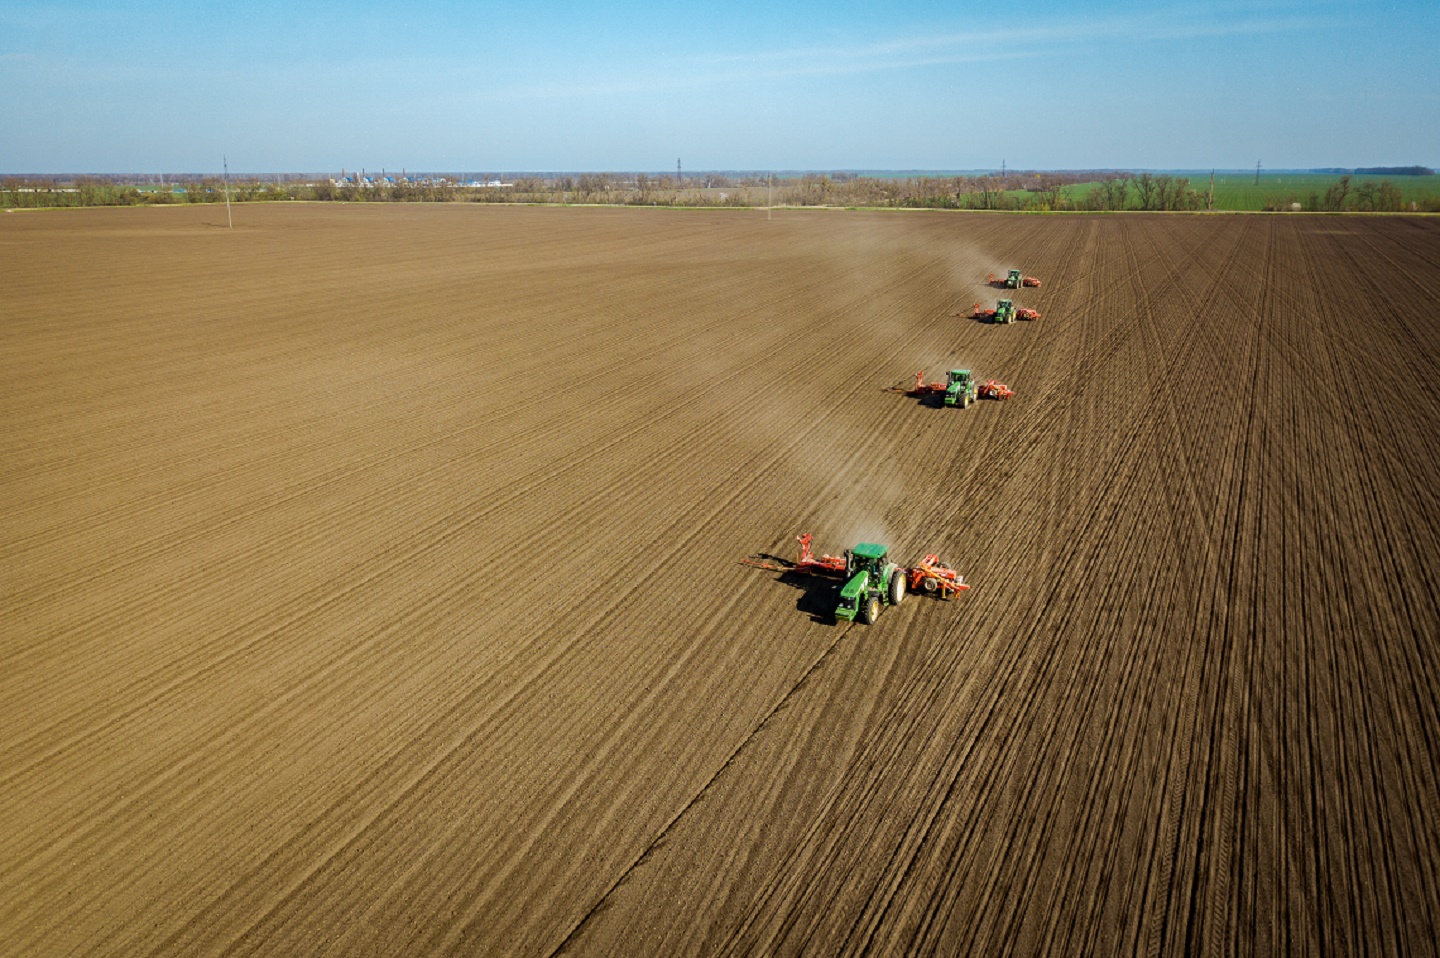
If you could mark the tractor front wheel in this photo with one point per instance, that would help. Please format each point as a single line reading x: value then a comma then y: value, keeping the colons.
x: 871, y: 611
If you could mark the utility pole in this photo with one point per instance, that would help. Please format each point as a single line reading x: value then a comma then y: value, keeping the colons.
x: 1257, y: 172
x: 1210, y: 203
x: 225, y: 165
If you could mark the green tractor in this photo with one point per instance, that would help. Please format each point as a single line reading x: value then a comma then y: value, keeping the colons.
x: 1014, y: 280
x: 1005, y: 311
x: 871, y: 581
x: 960, y: 388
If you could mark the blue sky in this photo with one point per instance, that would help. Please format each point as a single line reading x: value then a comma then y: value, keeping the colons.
x: 614, y: 85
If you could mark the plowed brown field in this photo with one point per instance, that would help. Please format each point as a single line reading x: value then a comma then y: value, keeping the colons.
x: 370, y: 584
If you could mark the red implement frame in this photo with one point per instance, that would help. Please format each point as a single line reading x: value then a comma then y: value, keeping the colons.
x: 805, y: 561
x: 921, y: 387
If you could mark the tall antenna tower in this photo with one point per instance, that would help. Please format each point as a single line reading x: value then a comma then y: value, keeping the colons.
x: 677, y: 172
x: 1257, y: 172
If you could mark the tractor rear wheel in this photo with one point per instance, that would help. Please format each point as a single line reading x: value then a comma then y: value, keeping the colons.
x: 871, y: 611
x: 897, y: 587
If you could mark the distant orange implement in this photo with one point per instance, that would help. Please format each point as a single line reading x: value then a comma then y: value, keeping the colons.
x: 994, y: 389
x: 935, y: 577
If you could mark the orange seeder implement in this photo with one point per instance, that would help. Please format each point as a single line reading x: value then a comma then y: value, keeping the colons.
x: 994, y: 389
x: 934, y: 576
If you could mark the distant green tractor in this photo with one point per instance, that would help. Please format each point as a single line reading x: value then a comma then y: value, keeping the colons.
x: 960, y: 388
x: 1005, y: 311
x: 871, y: 581
x: 1013, y: 280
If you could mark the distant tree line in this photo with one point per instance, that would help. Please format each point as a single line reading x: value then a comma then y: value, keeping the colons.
x: 1147, y: 191
x: 1013, y: 191
x: 23, y: 192
x: 1383, y: 171
x: 1343, y: 195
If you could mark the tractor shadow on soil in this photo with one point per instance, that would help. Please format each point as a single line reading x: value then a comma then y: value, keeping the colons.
x: 983, y: 320
x: 818, y: 595
x: 930, y: 400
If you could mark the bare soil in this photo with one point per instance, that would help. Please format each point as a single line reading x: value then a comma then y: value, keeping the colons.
x: 369, y: 584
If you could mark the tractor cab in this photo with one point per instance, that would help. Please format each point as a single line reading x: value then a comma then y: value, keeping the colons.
x: 872, y: 581
x: 959, y: 388
x: 1013, y: 280
x: 866, y: 557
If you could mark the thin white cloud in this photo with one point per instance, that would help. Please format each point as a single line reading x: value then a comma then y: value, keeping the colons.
x: 1036, y: 38
x: 908, y: 52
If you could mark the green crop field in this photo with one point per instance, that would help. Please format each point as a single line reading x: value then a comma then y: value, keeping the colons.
x: 1239, y: 191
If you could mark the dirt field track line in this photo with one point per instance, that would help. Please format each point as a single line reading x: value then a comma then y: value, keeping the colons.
x: 467, y: 918
x: 1388, y: 561
x: 658, y: 562
x: 660, y: 836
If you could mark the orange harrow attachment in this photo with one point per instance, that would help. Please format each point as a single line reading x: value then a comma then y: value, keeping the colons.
x: 935, y: 577
x: 805, y: 561
x: 994, y: 389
